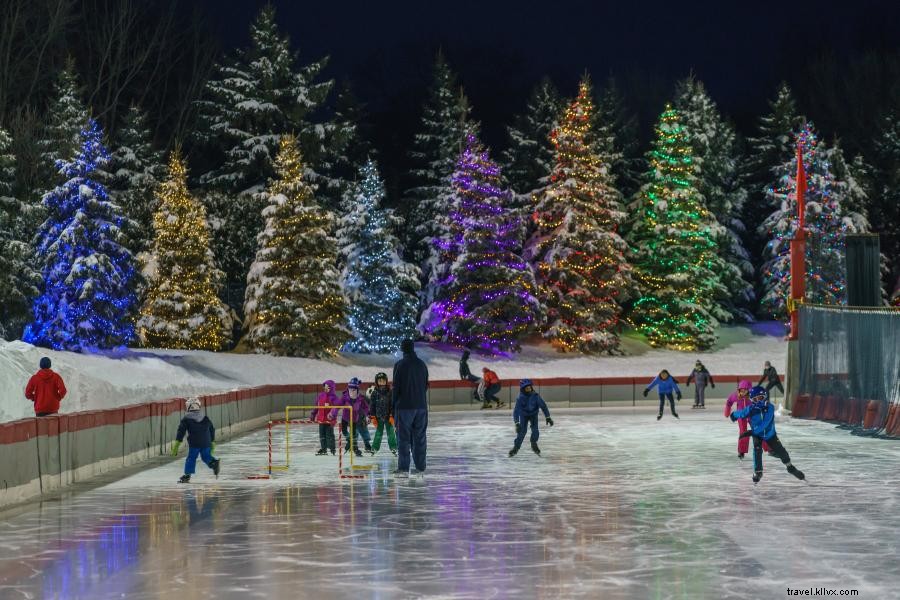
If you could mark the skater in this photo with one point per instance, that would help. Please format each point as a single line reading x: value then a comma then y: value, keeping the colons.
x: 700, y: 376
x: 491, y: 387
x: 465, y: 373
x: 379, y: 396
x: 201, y: 440
x: 666, y: 385
x: 528, y: 404
x: 410, y: 405
x: 326, y: 397
x: 771, y: 377
x: 351, y: 397
x: 740, y: 399
x: 45, y: 389
x: 762, y: 422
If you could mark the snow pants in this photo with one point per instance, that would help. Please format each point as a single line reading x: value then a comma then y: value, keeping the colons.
x: 360, y: 428
x: 775, y: 448
x: 490, y: 393
x: 379, y: 431
x: 411, y: 427
x: 535, y: 432
x: 190, y: 463
x: 699, y: 395
x: 743, y: 441
x: 775, y: 384
x: 662, y: 402
x: 326, y: 436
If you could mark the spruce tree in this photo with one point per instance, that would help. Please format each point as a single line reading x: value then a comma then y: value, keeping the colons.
x: 674, y: 247
x: 825, y: 230
x: 379, y: 286
x: 181, y: 308
x: 617, y: 133
x: 884, y: 210
x: 488, y: 301
x: 719, y: 183
x: 65, y: 118
x: 293, y: 304
x: 576, y: 250
x: 87, y: 297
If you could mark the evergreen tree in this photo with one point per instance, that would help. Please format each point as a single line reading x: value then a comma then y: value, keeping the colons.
x: 825, y: 230
x: 182, y: 309
x: 617, y: 132
x: 884, y: 209
x: 18, y: 281
x: 380, y: 287
x: 714, y: 147
x: 87, y: 295
x: 675, y: 254
x: 65, y: 118
x: 576, y: 250
x: 135, y: 171
x: 293, y: 305
x: 348, y: 148
x: 488, y: 301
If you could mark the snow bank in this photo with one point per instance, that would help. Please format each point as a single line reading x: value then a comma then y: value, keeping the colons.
x: 112, y: 379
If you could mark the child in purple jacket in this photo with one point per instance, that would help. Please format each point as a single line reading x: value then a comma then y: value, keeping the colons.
x: 352, y: 397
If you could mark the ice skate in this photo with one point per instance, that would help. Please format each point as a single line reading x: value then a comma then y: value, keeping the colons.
x: 184, y: 479
x: 500, y: 405
x: 369, y: 450
x: 485, y: 405
x: 357, y: 452
x: 322, y: 452
x: 659, y: 416
x: 513, y: 452
x: 741, y: 455
x: 398, y: 474
x: 796, y: 472
x: 757, y: 476
x: 215, y: 467
x: 675, y: 415
x: 417, y: 475
x: 394, y: 452
x: 535, y: 449
x: 696, y: 406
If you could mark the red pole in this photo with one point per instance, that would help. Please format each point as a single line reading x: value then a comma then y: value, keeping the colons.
x: 270, y: 448
x: 798, y: 249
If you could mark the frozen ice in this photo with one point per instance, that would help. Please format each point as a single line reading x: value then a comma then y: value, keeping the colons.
x: 617, y: 506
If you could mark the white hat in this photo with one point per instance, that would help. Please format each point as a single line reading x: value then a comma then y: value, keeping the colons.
x: 192, y: 404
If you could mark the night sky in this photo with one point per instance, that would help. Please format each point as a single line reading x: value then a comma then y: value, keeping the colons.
x: 741, y: 50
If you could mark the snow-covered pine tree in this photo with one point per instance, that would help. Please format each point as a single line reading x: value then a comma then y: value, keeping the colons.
x: 65, y: 118
x: 293, y: 303
x: 617, y: 132
x: 18, y: 281
x: 182, y: 308
x: 719, y: 184
x: 87, y: 297
x: 885, y: 204
x: 529, y: 158
x: 135, y: 171
x: 488, y: 301
x: 441, y: 137
x: 347, y: 149
x: 379, y: 286
x: 576, y: 250
x: 825, y: 227
x: 675, y: 254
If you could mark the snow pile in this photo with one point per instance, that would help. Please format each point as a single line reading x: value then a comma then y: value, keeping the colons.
x: 97, y: 381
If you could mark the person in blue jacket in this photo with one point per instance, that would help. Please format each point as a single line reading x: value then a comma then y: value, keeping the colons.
x: 528, y: 404
x: 667, y: 385
x: 201, y: 439
x: 762, y: 423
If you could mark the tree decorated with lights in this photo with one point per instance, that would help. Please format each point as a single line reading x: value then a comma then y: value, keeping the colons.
x: 182, y: 308
x: 380, y: 287
x: 674, y: 251
x: 87, y: 297
x: 825, y: 230
x: 293, y: 305
x: 488, y: 299
x: 579, y: 258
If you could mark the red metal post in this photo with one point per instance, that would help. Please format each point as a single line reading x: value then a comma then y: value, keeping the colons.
x: 798, y: 249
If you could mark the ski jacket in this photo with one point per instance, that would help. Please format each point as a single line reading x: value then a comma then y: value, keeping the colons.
x: 410, y: 383
x: 666, y: 386
x: 380, y: 402
x: 359, y: 404
x: 490, y: 378
x: 45, y: 389
x: 528, y: 405
x: 762, y: 419
x: 701, y: 376
x: 320, y: 415
x: 735, y: 400
x: 199, y: 429
x: 770, y: 375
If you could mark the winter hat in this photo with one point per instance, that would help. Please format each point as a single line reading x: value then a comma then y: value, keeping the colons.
x: 744, y: 385
x: 330, y: 384
x: 45, y: 363
x: 192, y: 404
x: 354, y: 384
x: 407, y: 346
x: 379, y: 376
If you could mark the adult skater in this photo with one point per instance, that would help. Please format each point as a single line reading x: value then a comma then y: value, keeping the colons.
x: 465, y: 373
x: 762, y: 422
x: 701, y: 377
x: 410, y: 409
x: 201, y: 440
x: 45, y: 389
x: 771, y: 377
x: 667, y: 385
x: 491, y: 387
x: 528, y: 404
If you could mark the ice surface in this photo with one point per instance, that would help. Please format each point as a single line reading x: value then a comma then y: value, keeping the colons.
x: 618, y: 506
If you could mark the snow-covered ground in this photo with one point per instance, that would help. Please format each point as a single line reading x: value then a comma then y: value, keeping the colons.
x: 98, y: 381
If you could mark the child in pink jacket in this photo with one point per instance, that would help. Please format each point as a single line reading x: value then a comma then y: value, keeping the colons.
x: 741, y: 397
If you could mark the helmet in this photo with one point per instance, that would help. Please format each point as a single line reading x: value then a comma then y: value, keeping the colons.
x: 759, y: 394
x: 192, y: 404
x: 524, y: 383
x: 381, y: 375
x: 744, y: 385
x: 354, y: 383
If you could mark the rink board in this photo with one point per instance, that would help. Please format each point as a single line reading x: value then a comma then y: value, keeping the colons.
x: 45, y: 454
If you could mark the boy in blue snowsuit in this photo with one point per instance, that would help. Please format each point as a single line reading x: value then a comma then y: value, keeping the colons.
x: 762, y: 422
x: 528, y: 404
x: 667, y: 385
x: 201, y: 440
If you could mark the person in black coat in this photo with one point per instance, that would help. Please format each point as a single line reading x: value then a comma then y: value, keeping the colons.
x: 201, y: 440
x: 410, y: 400
x: 770, y: 376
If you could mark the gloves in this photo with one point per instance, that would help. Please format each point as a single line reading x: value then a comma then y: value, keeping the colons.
x: 732, y: 417
x: 212, y: 448
x: 518, y: 428
x: 373, y: 421
x: 647, y: 391
x: 175, y: 446
x: 713, y: 385
x: 687, y: 384
x: 678, y: 395
x: 549, y: 422
x: 391, y: 421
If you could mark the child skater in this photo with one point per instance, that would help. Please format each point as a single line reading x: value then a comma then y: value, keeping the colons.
x: 381, y: 408
x: 326, y: 397
x: 528, y: 404
x: 762, y: 422
x: 201, y: 440
x: 740, y: 399
x: 666, y: 385
x: 352, y: 397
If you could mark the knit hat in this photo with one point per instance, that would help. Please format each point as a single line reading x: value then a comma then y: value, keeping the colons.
x: 45, y: 363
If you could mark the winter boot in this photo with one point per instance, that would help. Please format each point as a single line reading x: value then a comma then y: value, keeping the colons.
x: 514, y: 451
x: 796, y: 472
x: 215, y: 467
x: 184, y: 479
x: 535, y: 448
x: 757, y: 476
x: 322, y: 452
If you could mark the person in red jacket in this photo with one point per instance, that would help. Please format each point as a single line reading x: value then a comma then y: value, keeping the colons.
x: 45, y: 389
x: 491, y: 387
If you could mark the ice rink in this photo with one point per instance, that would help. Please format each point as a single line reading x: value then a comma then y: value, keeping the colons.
x: 618, y: 506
